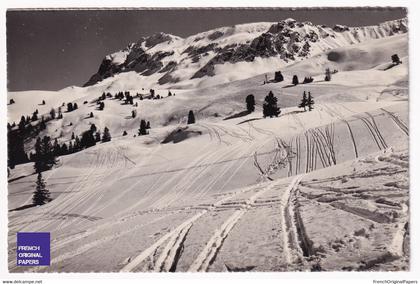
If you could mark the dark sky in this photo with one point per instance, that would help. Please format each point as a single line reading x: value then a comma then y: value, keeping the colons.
x: 49, y: 50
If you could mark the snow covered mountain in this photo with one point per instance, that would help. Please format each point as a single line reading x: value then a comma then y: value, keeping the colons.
x: 232, y: 53
x: 320, y: 190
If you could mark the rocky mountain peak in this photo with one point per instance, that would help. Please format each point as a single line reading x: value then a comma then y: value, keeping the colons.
x: 197, y: 56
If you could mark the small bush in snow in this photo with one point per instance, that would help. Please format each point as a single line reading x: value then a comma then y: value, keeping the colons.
x: 308, y: 80
x: 396, y: 59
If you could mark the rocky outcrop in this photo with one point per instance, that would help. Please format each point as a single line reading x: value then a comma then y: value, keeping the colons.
x: 340, y: 28
x: 155, y: 39
x: 136, y: 59
x: 169, y: 67
x: 215, y: 35
x: 167, y: 78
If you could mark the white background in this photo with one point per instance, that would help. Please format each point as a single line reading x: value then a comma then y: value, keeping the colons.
x: 244, y: 278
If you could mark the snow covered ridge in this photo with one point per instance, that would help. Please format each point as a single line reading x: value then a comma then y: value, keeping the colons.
x: 192, y: 61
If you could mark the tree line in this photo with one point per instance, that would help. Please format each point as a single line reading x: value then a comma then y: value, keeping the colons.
x: 270, y: 107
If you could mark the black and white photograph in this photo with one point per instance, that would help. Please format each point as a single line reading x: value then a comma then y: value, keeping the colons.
x: 270, y: 139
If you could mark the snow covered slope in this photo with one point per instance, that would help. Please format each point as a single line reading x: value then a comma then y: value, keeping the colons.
x: 214, y: 193
x: 365, y: 80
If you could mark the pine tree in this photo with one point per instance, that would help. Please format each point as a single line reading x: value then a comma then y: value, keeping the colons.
x: 310, y: 102
x: 41, y: 194
x: 75, y: 106
x: 98, y: 136
x: 93, y: 127
x: 64, y: 149
x: 71, y: 149
x: 38, y: 155
x: 43, y: 102
x: 47, y: 149
x: 278, y: 77
x: 148, y: 125
x: 88, y: 140
x: 124, y: 133
x: 56, y: 147
x: 42, y: 124
x: 34, y: 116
x: 69, y: 107
x: 250, y: 103
x: 45, y: 157
x: 327, y: 74
x: 295, y: 80
x: 106, y: 136
x: 72, y: 135
x: 15, y: 147
x: 270, y: 107
x: 60, y: 114
x: 76, y: 145
x: 133, y: 113
x: 304, y: 101
x: 143, y: 128
x: 52, y: 113
x: 22, y: 123
x: 91, y: 114
x: 191, y: 117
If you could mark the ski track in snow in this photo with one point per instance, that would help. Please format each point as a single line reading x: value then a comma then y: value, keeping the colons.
x: 319, y: 152
x: 285, y: 220
x: 177, y: 236
x: 209, y: 253
x: 90, y: 245
x: 397, y: 121
x: 168, y: 258
x: 207, y: 256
